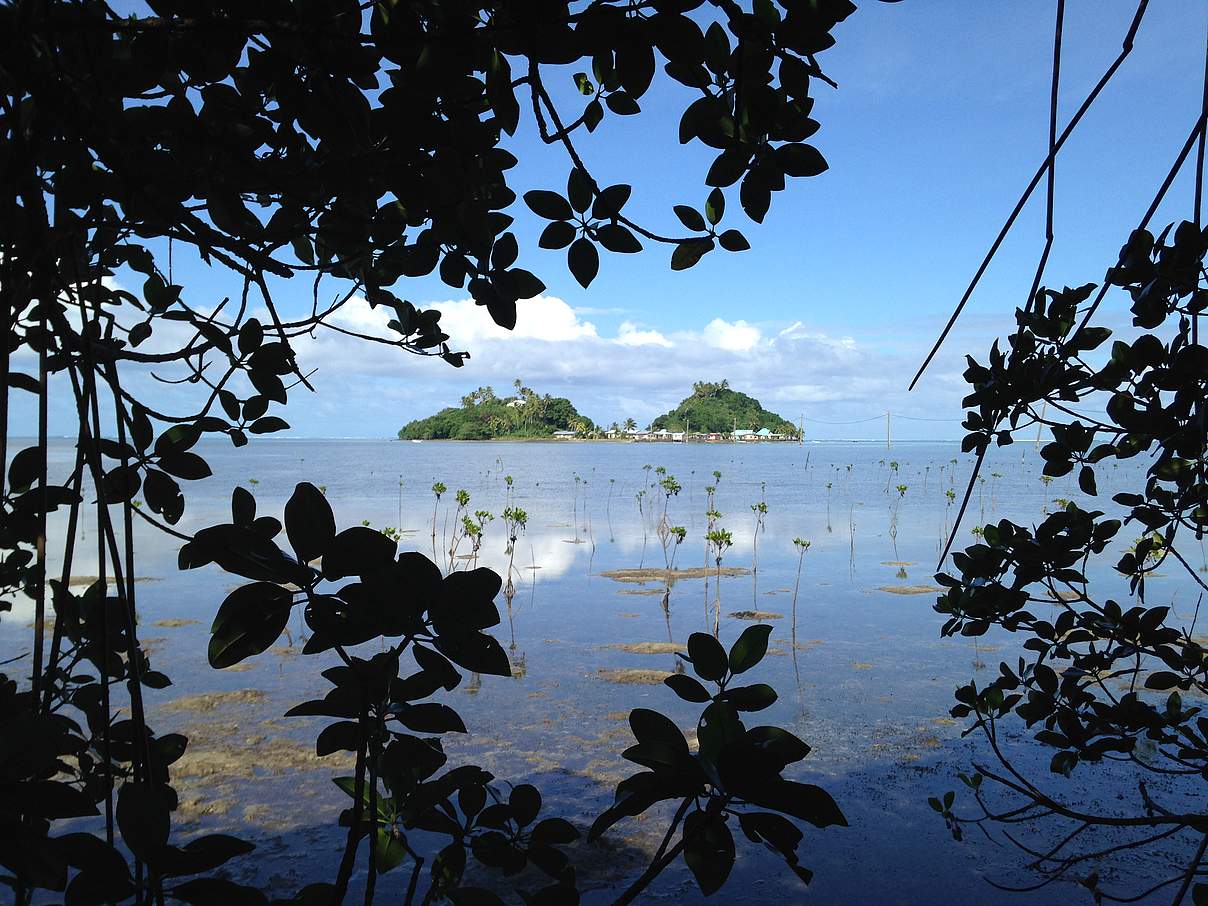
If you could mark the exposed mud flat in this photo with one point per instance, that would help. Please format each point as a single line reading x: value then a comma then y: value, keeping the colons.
x: 756, y: 615
x: 649, y: 647
x: 88, y: 580
x: 175, y: 623
x: 212, y: 701
x: 640, y: 591
x: 911, y: 589
x: 653, y: 574
x: 803, y: 645
x: 633, y: 676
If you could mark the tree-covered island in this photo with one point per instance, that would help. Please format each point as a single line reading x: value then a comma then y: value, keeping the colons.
x: 712, y: 412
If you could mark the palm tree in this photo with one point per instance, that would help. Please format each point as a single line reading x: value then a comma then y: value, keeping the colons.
x: 630, y: 424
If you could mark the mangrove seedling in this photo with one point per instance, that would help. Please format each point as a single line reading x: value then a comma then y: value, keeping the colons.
x: 719, y: 540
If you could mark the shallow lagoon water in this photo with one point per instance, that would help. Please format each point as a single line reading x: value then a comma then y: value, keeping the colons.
x: 868, y: 683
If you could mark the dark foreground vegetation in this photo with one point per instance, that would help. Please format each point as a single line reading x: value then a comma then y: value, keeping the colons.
x: 344, y: 147
x: 348, y: 146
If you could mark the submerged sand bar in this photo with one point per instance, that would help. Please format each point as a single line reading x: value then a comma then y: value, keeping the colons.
x: 659, y: 574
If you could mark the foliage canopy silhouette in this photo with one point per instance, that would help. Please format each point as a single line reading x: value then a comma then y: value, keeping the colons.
x: 351, y: 146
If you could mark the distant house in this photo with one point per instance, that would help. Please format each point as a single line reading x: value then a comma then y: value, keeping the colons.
x: 764, y: 434
x: 564, y: 435
x: 743, y: 434
x: 515, y: 404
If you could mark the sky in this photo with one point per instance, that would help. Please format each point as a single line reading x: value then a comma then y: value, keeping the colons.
x: 939, y: 121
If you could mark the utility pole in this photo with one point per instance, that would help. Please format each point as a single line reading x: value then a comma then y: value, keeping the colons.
x: 888, y: 432
x: 801, y: 429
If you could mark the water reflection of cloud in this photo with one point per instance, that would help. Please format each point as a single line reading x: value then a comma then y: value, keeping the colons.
x: 548, y: 550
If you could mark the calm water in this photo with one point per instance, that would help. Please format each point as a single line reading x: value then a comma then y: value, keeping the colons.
x: 868, y: 683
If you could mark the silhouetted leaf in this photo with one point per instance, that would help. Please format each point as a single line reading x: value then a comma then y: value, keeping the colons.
x: 708, y: 850
x: 689, y: 217
x: 248, y: 622
x: 800, y: 160
x: 310, y: 524
x: 558, y: 235
x: 549, y: 205
x: 583, y: 261
x: 687, y: 688
x: 733, y: 241
x: 687, y: 253
x: 357, y: 551
x: 143, y: 816
x: 708, y: 657
x: 750, y: 648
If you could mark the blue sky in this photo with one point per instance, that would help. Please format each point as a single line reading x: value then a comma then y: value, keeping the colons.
x: 939, y: 121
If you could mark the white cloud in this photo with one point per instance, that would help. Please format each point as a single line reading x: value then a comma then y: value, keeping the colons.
x: 639, y: 371
x: 628, y: 334
x: 738, y: 336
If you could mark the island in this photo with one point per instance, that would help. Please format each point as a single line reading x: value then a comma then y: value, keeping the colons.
x: 714, y: 413
x: 525, y: 415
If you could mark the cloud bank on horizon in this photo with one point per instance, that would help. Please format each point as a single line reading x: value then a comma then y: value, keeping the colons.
x: 637, y: 371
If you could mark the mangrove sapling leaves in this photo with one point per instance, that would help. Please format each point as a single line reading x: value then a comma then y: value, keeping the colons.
x: 243, y: 551
x: 342, y: 736
x: 609, y: 202
x: 467, y: 601
x: 143, y: 816
x: 200, y: 855
x: 391, y: 850
x: 250, y: 620
x: 687, y: 688
x: 243, y: 507
x: 781, y: 746
x: 317, y: 219
x: 558, y: 235
x: 218, y: 892
x: 525, y: 802
x: 188, y: 466
x: 310, y: 524
x: 707, y: 656
x: 554, y: 831
x: 342, y: 619
x: 475, y: 896
x: 583, y: 261
x: 476, y: 652
x: 436, y: 666
x: 103, y: 873
x: 431, y: 717
x: 269, y: 424
x: 778, y: 834
x: 749, y: 698
x: 120, y: 484
x: 801, y: 800
x: 749, y: 649
x: 25, y: 468
x: 50, y: 799
x: 357, y: 551
x: 733, y: 241
x: 719, y: 726
x: 708, y: 849
x: 549, y: 205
